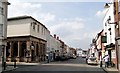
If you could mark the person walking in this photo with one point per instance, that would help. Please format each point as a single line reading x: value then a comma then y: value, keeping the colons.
x: 106, y: 58
x: 47, y: 58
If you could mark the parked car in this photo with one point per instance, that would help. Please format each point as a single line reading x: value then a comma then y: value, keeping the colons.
x: 83, y: 55
x: 64, y: 57
x: 73, y: 56
x: 92, y: 60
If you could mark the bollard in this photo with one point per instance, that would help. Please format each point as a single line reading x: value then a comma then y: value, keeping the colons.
x: 100, y: 63
x: 4, y: 65
x: 15, y: 63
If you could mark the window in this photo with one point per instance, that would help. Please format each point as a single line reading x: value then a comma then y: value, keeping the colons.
x: 38, y: 28
x: 105, y: 24
x: 42, y: 30
x: 104, y: 39
x: 105, y: 33
x: 1, y: 30
x: 33, y: 25
x: 1, y: 10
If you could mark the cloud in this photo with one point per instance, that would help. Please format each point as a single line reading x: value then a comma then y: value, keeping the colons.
x: 65, y: 0
x: 46, y: 17
x: 101, y: 14
x: 69, y: 29
x: 68, y: 26
x: 91, y: 34
x: 74, y: 32
x: 35, y: 10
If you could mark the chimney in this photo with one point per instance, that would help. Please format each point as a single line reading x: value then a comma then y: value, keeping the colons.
x: 55, y: 36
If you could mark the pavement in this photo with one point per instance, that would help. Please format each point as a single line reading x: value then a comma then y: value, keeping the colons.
x: 23, y: 63
x: 110, y: 70
x: 10, y: 65
x: 8, y: 68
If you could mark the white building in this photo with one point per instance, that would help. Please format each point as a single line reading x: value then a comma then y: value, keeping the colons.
x: 54, y: 46
x: 28, y: 39
x: 109, y: 31
x: 79, y: 52
x: 3, y: 26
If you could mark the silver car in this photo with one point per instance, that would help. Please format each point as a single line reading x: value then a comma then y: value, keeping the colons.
x: 92, y: 60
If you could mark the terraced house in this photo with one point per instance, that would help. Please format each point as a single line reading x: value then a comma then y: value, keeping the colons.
x: 26, y: 39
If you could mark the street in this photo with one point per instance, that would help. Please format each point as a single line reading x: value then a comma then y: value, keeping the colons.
x: 76, y: 65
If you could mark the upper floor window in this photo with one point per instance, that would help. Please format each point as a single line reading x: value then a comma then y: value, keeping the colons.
x: 38, y: 28
x: 105, y: 24
x: 1, y: 11
x: 33, y: 25
x: 42, y: 30
x: 1, y: 30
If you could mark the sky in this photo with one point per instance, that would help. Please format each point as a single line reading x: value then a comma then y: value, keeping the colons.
x: 76, y: 22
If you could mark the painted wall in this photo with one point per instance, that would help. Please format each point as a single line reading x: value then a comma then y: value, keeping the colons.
x: 106, y: 25
x: 24, y: 27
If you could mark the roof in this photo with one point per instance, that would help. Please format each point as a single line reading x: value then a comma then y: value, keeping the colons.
x: 25, y: 17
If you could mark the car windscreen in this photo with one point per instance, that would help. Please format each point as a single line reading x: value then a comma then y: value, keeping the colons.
x: 92, y: 58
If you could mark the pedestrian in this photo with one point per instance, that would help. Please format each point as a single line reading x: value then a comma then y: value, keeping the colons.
x: 47, y: 58
x: 106, y: 58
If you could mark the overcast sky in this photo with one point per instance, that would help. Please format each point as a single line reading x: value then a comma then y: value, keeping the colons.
x: 76, y: 22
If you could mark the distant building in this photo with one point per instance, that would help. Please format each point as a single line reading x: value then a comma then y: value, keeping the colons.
x: 79, y: 52
x: 55, y: 46
x: 73, y: 51
x: 100, y: 44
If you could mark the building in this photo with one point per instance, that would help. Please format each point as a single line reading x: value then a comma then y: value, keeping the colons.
x: 26, y: 39
x: 73, y: 51
x: 100, y: 40
x: 109, y: 31
x: 117, y: 31
x: 3, y: 31
x: 54, y: 47
x: 79, y: 52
